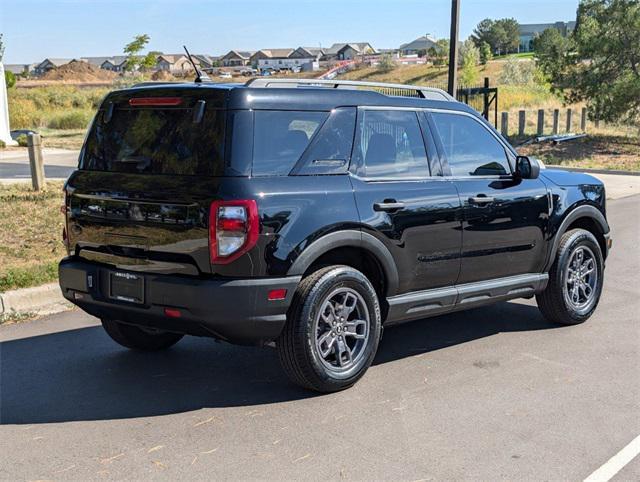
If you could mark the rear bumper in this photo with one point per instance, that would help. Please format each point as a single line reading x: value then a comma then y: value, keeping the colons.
x: 234, y: 310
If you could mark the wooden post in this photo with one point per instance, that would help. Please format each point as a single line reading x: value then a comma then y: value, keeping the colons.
x: 583, y: 120
x: 597, y: 122
x: 569, y: 115
x: 521, y: 122
x: 505, y: 124
x: 556, y: 121
x: 36, y: 161
x: 540, y: 122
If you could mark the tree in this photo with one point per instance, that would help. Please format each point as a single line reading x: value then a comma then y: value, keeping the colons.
x: 483, y: 33
x: 509, y: 34
x: 600, y: 62
x: 485, y: 53
x: 440, y: 52
x: 133, y: 49
x: 1, y: 48
x: 150, y: 60
x: 469, y: 59
x: 502, y: 35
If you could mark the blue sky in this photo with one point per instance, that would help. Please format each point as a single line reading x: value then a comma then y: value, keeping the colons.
x: 36, y: 29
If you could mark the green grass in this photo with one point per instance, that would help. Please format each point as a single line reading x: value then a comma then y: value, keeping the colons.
x: 520, y: 55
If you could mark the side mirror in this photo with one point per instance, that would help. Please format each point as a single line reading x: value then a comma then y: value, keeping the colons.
x: 527, y: 168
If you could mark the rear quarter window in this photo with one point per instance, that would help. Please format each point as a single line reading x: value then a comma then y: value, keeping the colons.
x: 280, y: 138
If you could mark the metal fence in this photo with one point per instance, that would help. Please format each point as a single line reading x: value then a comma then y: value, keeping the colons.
x: 482, y: 98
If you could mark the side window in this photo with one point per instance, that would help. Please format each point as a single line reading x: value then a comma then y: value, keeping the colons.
x: 330, y: 150
x: 389, y: 144
x: 469, y: 147
x: 280, y: 138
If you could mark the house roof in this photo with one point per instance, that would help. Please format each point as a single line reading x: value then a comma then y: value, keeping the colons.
x: 56, y: 62
x: 19, y: 68
x: 357, y: 46
x: 115, y: 60
x: 243, y: 54
x: 421, y: 43
x: 313, y: 51
x: 276, y: 53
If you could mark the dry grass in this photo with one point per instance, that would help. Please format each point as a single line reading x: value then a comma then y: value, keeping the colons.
x: 593, y: 152
x: 30, y: 235
x: 63, y: 138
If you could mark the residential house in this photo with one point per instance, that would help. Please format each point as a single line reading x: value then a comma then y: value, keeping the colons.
x: 114, y: 64
x: 20, y: 69
x: 308, y: 58
x: 47, y: 64
x: 528, y: 32
x: 349, y: 51
x: 176, y: 63
x: 205, y: 62
x: 237, y: 58
x: 419, y: 46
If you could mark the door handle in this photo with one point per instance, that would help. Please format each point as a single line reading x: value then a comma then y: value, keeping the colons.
x: 389, y: 205
x: 481, y: 200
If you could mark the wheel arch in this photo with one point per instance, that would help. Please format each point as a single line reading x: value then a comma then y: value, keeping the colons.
x: 585, y: 217
x: 341, y: 242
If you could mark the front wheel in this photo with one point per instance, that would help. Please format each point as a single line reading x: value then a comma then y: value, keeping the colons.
x: 137, y: 338
x: 575, y: 280
x: 332, y: 330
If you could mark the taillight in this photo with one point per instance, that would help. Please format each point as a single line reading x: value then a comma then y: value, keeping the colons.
x: 154, y: 101
x: 233, y: 229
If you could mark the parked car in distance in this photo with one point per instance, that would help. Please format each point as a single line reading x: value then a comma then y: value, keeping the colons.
x: 311, y: 214
x: 225, y: 75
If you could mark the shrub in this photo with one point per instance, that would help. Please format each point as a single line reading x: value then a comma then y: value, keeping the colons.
x: 22, y: 140
x: 75, y: 119
x: 386, y: 64
x: 9, y: 78
x: 517, y: 72
x: 2, y: 144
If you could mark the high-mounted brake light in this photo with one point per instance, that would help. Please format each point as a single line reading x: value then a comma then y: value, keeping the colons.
x: 233, y: 229
x: 155, y: 101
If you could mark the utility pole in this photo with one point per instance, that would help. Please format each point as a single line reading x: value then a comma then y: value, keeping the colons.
x: 453, y: 47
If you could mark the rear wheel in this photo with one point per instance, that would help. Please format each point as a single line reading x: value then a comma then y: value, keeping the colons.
x: 136, y: 338
x: 332, y: 331
x: 575, y: 280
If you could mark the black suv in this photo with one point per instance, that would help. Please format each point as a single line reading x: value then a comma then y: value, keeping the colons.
x: 310, y: 214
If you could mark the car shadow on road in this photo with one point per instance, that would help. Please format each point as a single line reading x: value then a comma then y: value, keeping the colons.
x: 82, y: 375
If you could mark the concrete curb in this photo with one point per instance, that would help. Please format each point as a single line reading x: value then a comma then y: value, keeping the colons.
x: 594, y: 171
x: 45, y: 299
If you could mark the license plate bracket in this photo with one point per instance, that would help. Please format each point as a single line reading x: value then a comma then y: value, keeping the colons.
x: 127, y: 287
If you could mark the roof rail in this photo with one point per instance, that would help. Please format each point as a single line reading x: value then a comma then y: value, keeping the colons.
x: 401, y: 90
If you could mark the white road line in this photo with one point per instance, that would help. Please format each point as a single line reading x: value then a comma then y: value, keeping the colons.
x: 616, y: 463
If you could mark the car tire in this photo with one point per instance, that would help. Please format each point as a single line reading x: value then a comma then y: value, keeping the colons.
x: 575, y: 280
x: 140, y: 339
x: 333, y: 329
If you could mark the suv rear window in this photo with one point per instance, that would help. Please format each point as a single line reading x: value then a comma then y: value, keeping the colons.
x: 280, y: 138
x: 156, y: 141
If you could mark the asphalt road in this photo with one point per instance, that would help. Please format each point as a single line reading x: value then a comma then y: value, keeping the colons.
x: 491, y: 394
x: 58, y: 164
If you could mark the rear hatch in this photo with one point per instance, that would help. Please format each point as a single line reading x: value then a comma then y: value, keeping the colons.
x: 149, y: 170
